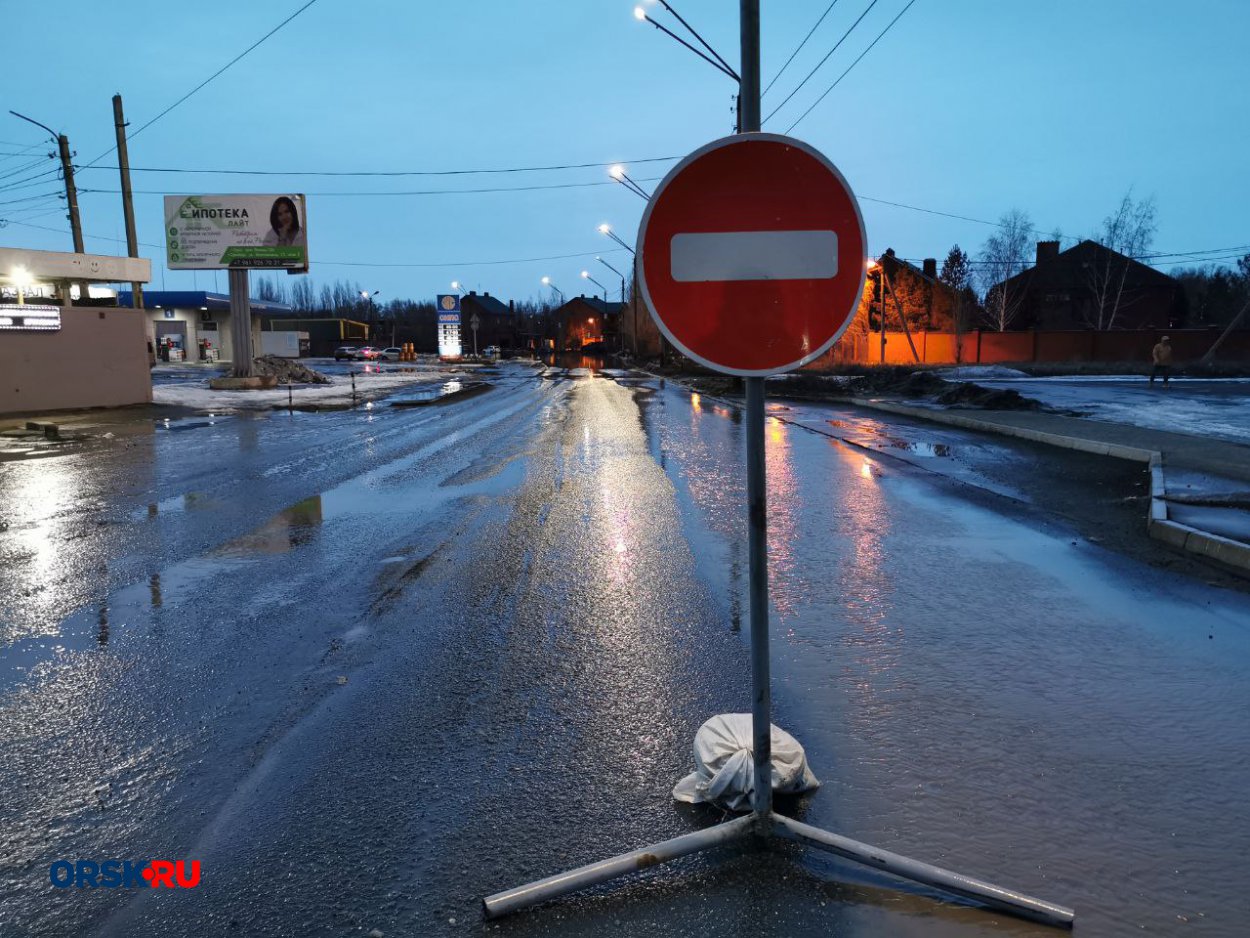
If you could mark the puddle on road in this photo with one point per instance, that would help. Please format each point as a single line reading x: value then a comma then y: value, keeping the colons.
x: 430, y: 392
x: 181, y: 424
x: 188, y: 501
x: 915, y: 447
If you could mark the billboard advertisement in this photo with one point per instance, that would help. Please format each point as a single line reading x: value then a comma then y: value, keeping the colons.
x: 208, y: 232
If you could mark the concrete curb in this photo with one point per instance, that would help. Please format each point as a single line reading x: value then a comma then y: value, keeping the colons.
x: 1158, y: 526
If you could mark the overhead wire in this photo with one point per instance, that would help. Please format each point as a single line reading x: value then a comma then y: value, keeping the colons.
x: 31, y: 198
x: 413, y: 192
x: 821, y: 62
x: 23, y: 168
x: 210, y: 78
x: 852, y: 65
x: 408, y: 172
x: 28, y: 181
x: 799, y: 48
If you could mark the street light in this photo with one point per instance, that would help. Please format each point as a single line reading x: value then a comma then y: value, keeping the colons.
x: 586, y: 276
x: 718, y: 63
x: 615, y: 271
x: 617, y: 172
x: 547, y: 283
x: 458, y: 287
x: 606, y: 229
x: 635, y: 305
x: 20, y: 278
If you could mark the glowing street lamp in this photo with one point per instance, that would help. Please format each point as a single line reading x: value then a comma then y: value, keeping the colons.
x: 458, y: 287
x: 717, y: 63
x: 617, y: 172
x: 20, y: 278
x: 586, y: 276
x: 547, y: 283
x: 606, y: 229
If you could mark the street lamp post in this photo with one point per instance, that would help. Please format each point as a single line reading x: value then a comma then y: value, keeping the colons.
x: 546, y: 281
x: 368, y: 299
x: 586, y: 276
x: 618, y: 173
x: 606, y: 229
x: 635, y: 317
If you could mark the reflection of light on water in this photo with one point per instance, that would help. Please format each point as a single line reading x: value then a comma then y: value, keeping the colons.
x: 695, y: 403
x: 783, y: 512
x: 866, y: 586
x: 46, y: 491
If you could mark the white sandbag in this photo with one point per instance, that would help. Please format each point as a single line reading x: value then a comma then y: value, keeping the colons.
x: 724, y: 769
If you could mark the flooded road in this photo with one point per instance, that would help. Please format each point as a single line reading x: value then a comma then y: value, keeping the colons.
x: 369, y: 666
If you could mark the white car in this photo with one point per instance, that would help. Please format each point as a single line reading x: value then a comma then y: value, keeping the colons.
x: 392, y: 354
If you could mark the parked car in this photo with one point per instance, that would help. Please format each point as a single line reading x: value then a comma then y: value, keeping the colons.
x: 391, y: 354
x: 367, y: 353
x: 345, y: 353
x: 491, y: 351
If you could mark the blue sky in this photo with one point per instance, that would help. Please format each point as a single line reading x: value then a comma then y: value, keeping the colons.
x: 969, y: 107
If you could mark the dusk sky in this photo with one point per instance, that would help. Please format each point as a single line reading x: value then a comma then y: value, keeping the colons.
x: 967, y: 107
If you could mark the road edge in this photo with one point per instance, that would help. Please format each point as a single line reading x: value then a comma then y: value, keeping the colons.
x: 1181, y: 536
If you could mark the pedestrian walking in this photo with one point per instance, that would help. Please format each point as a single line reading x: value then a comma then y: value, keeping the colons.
x: 1162, y: 356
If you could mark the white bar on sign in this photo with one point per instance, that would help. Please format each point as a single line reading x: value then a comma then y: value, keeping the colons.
x: 754, y: 255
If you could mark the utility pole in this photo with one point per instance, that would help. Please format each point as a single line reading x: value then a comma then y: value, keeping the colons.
x: 71, y: 193
x: 128, y: 206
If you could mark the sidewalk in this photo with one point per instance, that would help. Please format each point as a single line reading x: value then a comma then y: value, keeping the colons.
x: 1162, y: 450
x: 1178, y: 450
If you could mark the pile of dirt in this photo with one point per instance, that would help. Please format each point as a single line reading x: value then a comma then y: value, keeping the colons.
x: 895, y: 382
x: 973, y: 395
x: 287, y: 371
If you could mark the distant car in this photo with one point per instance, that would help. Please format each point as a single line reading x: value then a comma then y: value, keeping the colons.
x: 367, y: 353
x: 491, y: 351
x: 345, y: 353
x: 392, y: 354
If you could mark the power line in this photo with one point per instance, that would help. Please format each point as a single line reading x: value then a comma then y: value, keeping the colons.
x: 518, y: 260
x: 799, y: 47
x: 853, y: 64
x: 219, y: 71
x: 31, y: 198
x: 396, y: 192
x: 821, y: 62
x: 28, y: 181
x: 24, y: 167
x: 411, y: 172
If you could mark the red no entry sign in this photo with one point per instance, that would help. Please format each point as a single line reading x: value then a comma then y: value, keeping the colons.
x: 752, y: 254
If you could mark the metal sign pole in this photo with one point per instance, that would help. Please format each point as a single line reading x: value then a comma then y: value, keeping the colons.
x: 763, y: 822
x: 241, y: 322
x: 757, y: 501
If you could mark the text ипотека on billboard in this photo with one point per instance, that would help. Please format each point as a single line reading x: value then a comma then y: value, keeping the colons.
x: 221, y: 231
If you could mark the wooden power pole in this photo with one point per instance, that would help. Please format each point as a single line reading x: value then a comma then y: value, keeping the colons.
x: 128, y: 206
x: 71, y: 193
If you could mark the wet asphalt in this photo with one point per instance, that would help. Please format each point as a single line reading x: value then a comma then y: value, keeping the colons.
x: 370, y: 666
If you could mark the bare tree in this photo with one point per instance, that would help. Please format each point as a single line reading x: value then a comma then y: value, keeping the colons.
x: 1004, y: 255
x: 1128, y: 232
